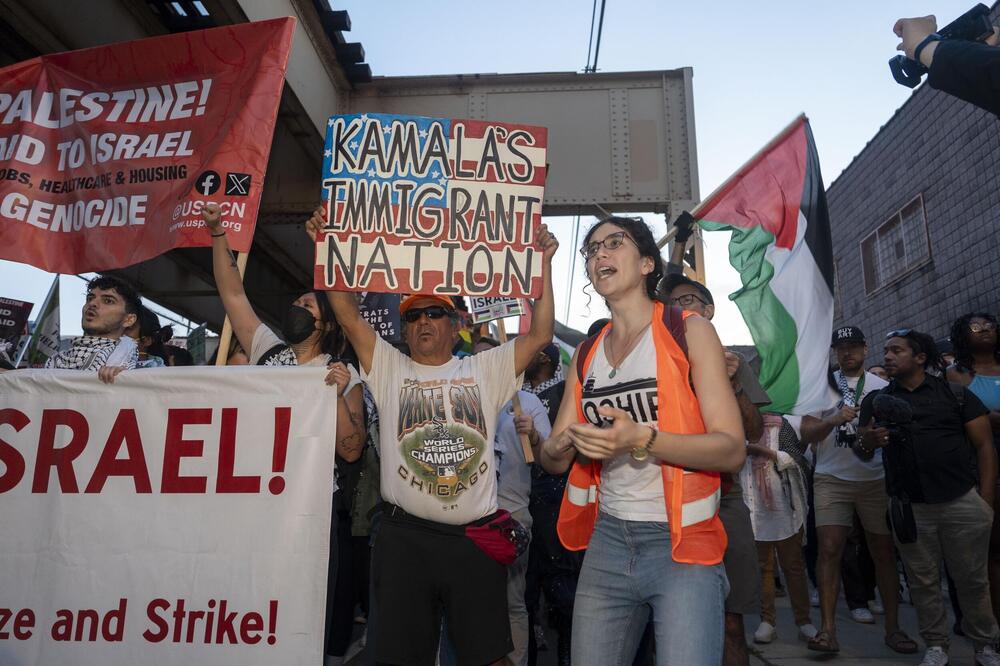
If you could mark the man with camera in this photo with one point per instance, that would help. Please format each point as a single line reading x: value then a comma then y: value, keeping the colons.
x: 928, y: 431
x: 959, y: 66
x: 844, y: 485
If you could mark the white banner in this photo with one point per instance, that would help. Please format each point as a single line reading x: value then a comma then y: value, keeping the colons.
x: 179, y: 517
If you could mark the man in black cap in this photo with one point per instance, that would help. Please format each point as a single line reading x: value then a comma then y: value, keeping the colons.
x: 740, y: 560
x: 844, y: 484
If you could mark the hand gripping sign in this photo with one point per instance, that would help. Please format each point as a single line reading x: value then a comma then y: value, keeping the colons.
x: 180, y: 516
x: 108, y: 154
x: 431, y: 205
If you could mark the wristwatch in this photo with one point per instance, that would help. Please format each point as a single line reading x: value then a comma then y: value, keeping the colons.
x: 933, y: 37
x: 642, y: 452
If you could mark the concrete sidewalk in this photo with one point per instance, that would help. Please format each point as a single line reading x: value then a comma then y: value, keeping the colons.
x: 859, y: 643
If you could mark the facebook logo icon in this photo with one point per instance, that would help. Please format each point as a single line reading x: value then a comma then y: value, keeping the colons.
x: 207, y: 183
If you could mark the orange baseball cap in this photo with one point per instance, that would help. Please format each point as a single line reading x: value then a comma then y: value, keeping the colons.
x: 409, y: 301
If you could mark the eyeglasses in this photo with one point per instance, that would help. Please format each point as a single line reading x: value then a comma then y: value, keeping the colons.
x: 687, y: 300
x: 432, y: 312
x: 899, y: 333
x: 611, y: 242
x: 979, y: 328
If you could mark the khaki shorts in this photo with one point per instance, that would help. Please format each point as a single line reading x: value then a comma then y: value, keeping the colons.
x: 836, y: 500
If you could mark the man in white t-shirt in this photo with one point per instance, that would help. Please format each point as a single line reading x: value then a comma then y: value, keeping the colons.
x: 438, y: 416
x: 844, y: 484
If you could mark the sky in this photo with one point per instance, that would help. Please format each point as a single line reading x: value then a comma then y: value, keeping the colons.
x: 756, y: 67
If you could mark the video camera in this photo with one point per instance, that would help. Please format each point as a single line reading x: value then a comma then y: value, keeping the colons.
x: 972, y: 26
x: 891, y: 413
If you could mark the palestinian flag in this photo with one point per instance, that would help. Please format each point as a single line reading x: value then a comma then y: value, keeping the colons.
x: 775, y: 206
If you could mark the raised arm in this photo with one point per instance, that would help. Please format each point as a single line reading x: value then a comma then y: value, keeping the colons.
x: 228, y: 281
x: 345, y: 306
x: 527, y: 346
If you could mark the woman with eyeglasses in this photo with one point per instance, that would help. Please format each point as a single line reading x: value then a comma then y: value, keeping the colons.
x: 976, y: 345
x: 644, y: 455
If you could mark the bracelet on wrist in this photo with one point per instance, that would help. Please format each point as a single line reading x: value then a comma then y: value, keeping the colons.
x: 218, y: 235
x: 642, y: 452
x: 933, y: 37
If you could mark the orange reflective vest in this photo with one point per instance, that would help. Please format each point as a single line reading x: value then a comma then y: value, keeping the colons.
x: 692, y: 497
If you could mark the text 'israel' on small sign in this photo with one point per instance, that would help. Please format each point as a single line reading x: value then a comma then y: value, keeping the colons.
x: 486, y: 308
x: 431, y: 205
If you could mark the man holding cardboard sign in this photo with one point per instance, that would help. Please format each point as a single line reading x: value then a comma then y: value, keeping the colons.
x: 442, y: 544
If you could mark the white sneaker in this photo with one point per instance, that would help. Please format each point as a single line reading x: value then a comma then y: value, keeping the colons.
x: 876, y: 607
x: 807, y: 631
x: 987, y: 656
x: 862, y: 615
x: 935, y: 656
x: 765, y: 633
x: 814, y: 598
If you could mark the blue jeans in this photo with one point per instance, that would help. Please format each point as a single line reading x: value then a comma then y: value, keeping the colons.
x: 628, y: 572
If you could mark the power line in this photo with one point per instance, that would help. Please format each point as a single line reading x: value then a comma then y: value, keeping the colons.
x: 597, y: 46
x: 590, y: 40
x: 594, y: 46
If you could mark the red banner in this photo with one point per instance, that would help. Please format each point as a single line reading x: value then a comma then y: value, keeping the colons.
x: 108, y: 155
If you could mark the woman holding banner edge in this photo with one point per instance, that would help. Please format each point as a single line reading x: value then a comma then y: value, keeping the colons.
x: 647, y: 423
x: 312, y: 337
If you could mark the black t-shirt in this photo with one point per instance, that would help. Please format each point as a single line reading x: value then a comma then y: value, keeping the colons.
x: 931, y: 460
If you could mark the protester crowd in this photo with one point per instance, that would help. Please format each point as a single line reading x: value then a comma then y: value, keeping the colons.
x: 665, y: 502
x: 659, y: 478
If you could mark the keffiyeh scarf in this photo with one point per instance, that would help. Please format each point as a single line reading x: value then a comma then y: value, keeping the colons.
x: 89, y: 352
x: 544, y: 386
x: 847, y: 433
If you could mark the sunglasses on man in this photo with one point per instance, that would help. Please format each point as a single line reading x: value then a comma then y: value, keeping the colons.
x: 985, y: 326
x: 433, y: 312
x: 899, y: 333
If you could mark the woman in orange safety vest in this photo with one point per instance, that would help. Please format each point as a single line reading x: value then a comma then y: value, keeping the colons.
x: 644, y: 455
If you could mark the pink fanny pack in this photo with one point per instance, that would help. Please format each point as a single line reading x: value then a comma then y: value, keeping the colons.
x: 501, y: 537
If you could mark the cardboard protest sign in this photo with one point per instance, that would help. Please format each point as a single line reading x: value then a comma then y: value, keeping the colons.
x: 486, y: 309
x: 382, y: 312
x: 13, y: 319
x: 431, y: 205
x: 180, y: 516
x: 108, y: 154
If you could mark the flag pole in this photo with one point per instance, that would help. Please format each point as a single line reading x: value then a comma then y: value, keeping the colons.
x: 225, y: 339
x: 781, y: 136
x: 516, y: 401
